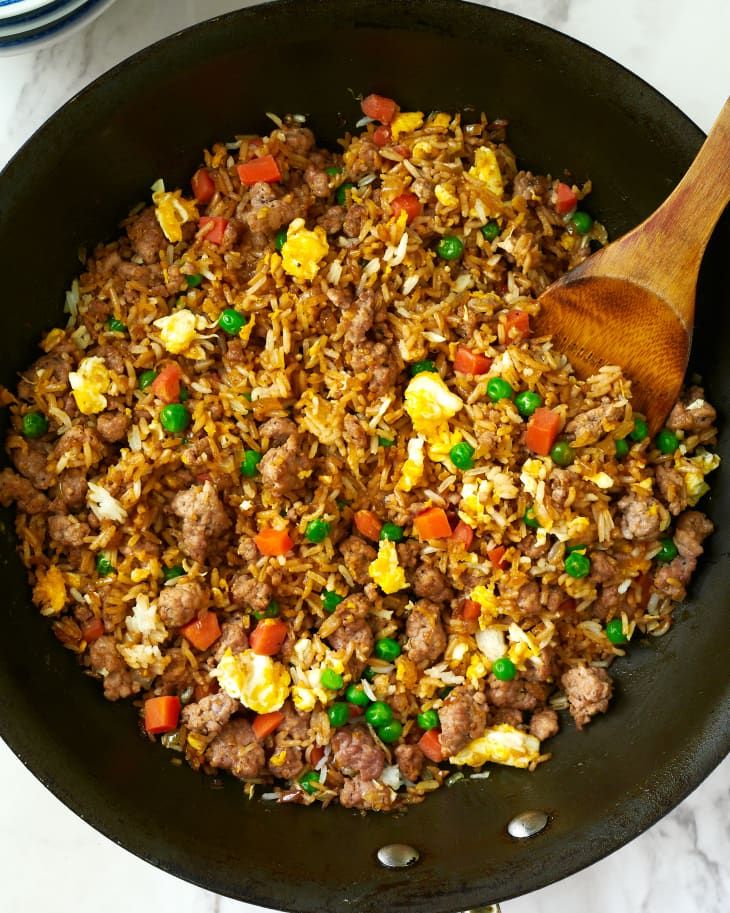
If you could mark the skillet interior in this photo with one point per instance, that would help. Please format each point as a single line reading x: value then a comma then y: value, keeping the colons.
x: 77, y: 178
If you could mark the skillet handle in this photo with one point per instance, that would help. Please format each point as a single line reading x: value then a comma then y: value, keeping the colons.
x: 489, y: 908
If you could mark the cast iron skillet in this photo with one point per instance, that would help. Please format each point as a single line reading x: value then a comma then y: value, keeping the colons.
x: 71, y: 184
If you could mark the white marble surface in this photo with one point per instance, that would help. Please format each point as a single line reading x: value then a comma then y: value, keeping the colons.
x: 49, y: 859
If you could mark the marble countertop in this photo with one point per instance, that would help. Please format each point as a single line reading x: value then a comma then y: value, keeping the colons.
x: 49, y: 858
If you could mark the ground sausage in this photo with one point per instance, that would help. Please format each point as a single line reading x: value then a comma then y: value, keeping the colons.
x: 642, y: 518
x: 691, y: 413
x: 603, y: 567
x: 357, y: 792
x: 528, y: 598
x: 282, y: 468
x: 180, y: 603
x: 54, y: 368
x: 671, y: 579
x: 544, y: 724
x: 15, y: 488
x: 113, y: 426
x: 560, y: 485
x: 248, y: 592
x: 287, y: 760
x: 358, y: 556
x: 355, y: 750
x: 430, y: 583
x: 426, y: 635
x: 32, y: 462
x: 177, y: 675
x: 204, y: 519
x: 105, y: 660
x: 67, y: 531
x: 360, y: 316
x: 354, y: 433
x: 277, y: 430
x: 410, y: 761
x: 236, y: 749
x: 317, y: 180
x: 590, y: 426
x: 210, y: 714
x: 74, y: 445
x: 588, y: 691
x: 692, y: 529
x: 72, y: 488
x: 355, y: 218
x: 520, y: 693
x: 672, y: 488
x: 332, y: 218
x: 506, y: 716
x: 146, y: 235
x: 353, y: 632
x: 463, y: 718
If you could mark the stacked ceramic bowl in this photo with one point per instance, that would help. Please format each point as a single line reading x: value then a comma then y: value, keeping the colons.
x: 27, y: 25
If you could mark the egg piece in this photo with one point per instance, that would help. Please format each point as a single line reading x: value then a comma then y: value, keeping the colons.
x: 303, y: 250
x: 430, y: 403
x: 445, y: 196
x: 304, y: 698
x: 441, y: 120
x: 602, y: 480
x: 412, y: 470
x: 501, y: 744
x: 485, y: 597
x: 258, y: 682
x: 172, y: 212
x: 50, y: 590
x: 178, y: 330
x: 405, y: 122
x: 440, y: 444
x: 385, y: 570
x: 89, y: 384
x: 699, y: 466
x: 486, y: 170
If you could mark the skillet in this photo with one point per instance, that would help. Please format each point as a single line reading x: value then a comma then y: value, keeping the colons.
x: 70, y: 185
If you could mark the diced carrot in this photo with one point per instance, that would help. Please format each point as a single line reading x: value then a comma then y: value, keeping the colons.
x: 565, y: 199
x: 470, y: 610
x: 167, y: 383
x: 273, y: 541
x: 408, y: 203
x: 368, y: 524
x: 432, y: 524
x: 218, y: 229
x: 92, y: 630
x: 468, y: 362
x: 430, y: 745
x: 382, y: 135
x: 516, y: 326
x: 463, y: 533
x: 161, y: 714
x: 263, y: 169
x: 203, y: 631
x: 203, y: 186
x: 268, y: 636
x: 266, y: 723
x: 379, y: 108
x: 542, y: 429
x: 316, y: 755
x: 496, y: 555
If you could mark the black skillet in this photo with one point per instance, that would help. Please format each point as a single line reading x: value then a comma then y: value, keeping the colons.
x: 76, y: 178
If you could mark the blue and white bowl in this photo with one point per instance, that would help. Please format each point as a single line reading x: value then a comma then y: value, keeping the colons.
x: 44, y: 23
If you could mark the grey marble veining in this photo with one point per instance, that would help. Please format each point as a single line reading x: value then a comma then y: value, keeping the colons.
x: 682, y: 864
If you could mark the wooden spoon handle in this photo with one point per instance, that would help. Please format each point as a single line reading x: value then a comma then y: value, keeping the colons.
x: 664, y: 253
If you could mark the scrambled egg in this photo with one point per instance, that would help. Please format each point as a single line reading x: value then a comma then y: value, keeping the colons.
x: 172, y: 212
x: 695, y: 469
x: 50, y: 591
x: 178, y: 330
x: 303, y: 250
x: 441, y: 119
x: 405, y: 122
x: 439, y: 445
x: 445, y: 196
x: 484, y: 596
x: 412, y: 470
x: 486, y: 170
x: 89, y: 384
x: 602, y: 479
x: 522, y: 646
x: 430, y: 403
x: 258, y: 682
x: 501, y: 745
x: 385, y: 570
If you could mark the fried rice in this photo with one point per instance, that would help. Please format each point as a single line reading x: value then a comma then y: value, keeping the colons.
x: 296, y: 477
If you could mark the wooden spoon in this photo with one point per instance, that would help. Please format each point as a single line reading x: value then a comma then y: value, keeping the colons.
x: 632, y: 303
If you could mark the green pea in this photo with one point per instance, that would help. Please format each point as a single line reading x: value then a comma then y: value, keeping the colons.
x: 333, y: 170
x: 668, y: 551
x: 271, y: 611
x: 280, y: 239
x: 562, y: 453
x: 504, y: 669
x: 582, y: 222
x: 116, y: 326
x: 615, y: 631
x: 387, y: 649
x: 390, y: 532
x: 194, y: 280
x: 34, y: 425
x: 378, y: 714
x: 622, y: 448
x: 342, y: 195
x: 429, y: 719
x: 355, y: 694
x: 170, y: 573
x: 331, y: 680
x: 232, y: 322
x: 250, y: 463
x: 174, y: 418
x: 450, y: 247
x: 103, y: 565
x: 369, y: 674
x: 317, y: 530
x: 421, y: 367
x: 330, y: 600
x: 641, y: 429
x: 527, y: 402
x: 666, y: 441
x: 529, y: 518
x: 385, y: 442
x: 309, y: 782
x: 490, y: 231
x: 390, y: 732
x: 462, y: 455
x: 498, y: 389
x: 577, y: 565
x: 145, y: 379
x: 338, y: 713
x: 184, y: 395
